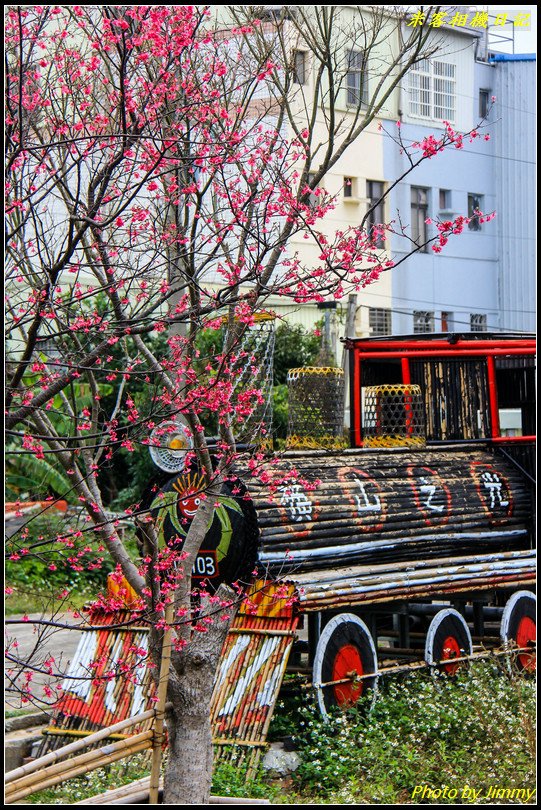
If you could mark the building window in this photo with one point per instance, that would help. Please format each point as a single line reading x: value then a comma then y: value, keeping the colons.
x: 314, y: 198
x: 484, y: 96
x: 379, y: 321
x: 349, y: 187
x: 478, y: 323
x: 419, y: 214
x: 445, y: 199
x: 423, y: 322
x: 475, y: 202
x: 432, y: 90
x: 376, y: 210
x: 299, y: 69
x: 356, y: 79
x: 446, y: 321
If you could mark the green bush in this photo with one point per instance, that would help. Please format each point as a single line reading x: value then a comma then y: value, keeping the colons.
x: 475, y: 730
x: 229, y: 778
x: 294, y: 348
x: 43, y: 571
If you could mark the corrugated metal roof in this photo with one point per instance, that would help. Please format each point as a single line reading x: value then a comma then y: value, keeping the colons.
x: 513, y: 57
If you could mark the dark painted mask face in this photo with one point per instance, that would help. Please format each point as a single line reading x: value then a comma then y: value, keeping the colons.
x: 189, y: 503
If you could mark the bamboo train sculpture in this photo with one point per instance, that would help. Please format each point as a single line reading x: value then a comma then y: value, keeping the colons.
x: 413, y: 547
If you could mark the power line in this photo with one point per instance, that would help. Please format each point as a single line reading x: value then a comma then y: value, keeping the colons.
x: 442, y: 305
x: 489, y: 327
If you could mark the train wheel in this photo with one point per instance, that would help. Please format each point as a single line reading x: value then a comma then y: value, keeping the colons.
x: 345, y: 650
x: 518, y: 628
x: 448, y: 637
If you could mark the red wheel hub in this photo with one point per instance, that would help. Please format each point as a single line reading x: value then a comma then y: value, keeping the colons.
x: 526, y: 636
x: 347, y: 661
x: 450, y: 649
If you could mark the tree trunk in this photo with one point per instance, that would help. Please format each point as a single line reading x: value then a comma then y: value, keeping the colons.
x: 188, y: 773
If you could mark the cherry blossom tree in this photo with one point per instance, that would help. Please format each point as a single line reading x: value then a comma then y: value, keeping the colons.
x: 158, y: 163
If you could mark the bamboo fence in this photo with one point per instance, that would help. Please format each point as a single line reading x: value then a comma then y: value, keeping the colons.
x: 252, y: 666
x: 91, y: 699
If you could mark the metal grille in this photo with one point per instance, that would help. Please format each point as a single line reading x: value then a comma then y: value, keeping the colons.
x: 379, y: 321
x: 316, y: 408
x: 423, y: 322
x: 432, y: 90
x: 478, y: 323
x: 393, y: 416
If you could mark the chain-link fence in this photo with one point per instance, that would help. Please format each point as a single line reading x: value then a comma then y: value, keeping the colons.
x: 254, y: 372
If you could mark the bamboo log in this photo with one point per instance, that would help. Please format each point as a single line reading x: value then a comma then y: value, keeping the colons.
x: 418, y: 665
x: 261, y: 631
x: 160, y: 706
x: 75, y: 732
x: 437, y: 586
x: 68, y: 765
x: 79, y: 765
x: 69, y: 749
x: 358, y: 591
x: 247, y: 743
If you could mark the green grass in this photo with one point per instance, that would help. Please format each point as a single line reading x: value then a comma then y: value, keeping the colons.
x: 9, y: 714
x: 26, y: 600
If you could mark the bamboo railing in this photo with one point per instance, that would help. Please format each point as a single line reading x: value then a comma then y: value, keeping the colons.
x: 53, y: 768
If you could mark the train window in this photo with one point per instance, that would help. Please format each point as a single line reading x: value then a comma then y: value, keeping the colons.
x: 476, y: 387
x: 456, y: 398
x: 381, y: 372
x: 510, y: 422
x: 378, y: 372
x: 515, y: 382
